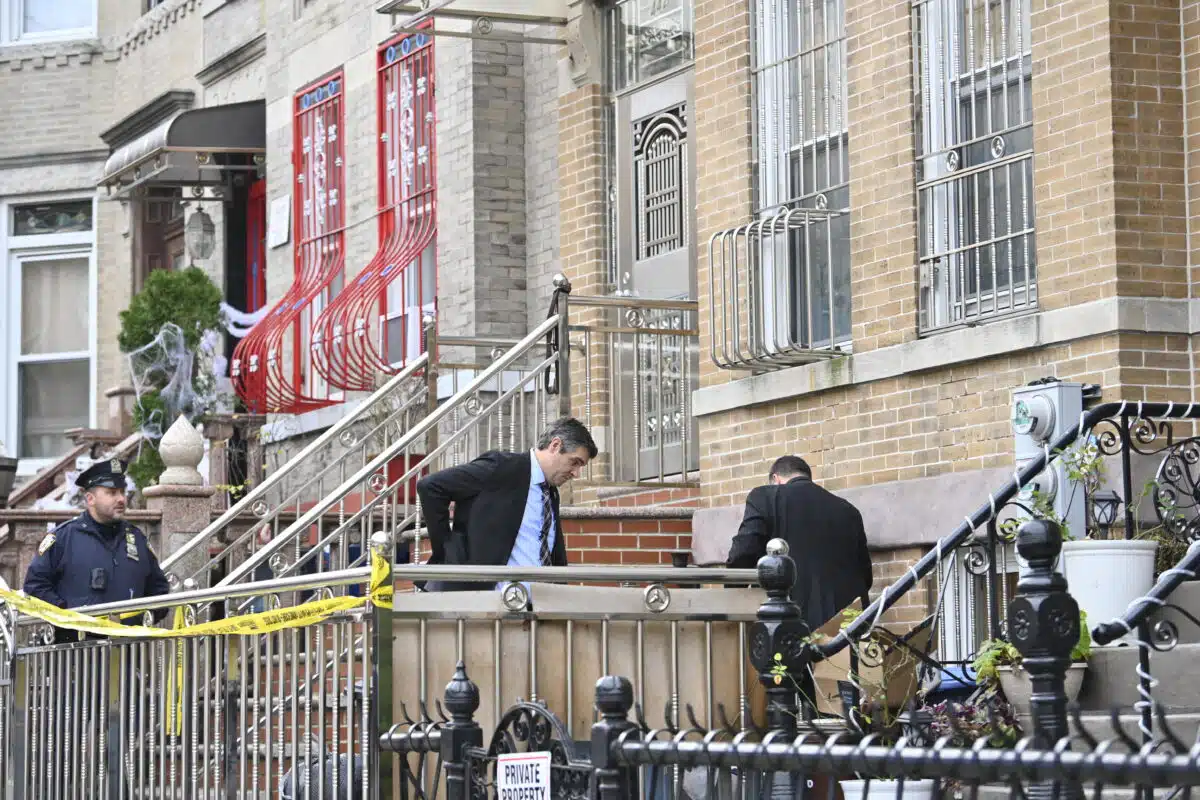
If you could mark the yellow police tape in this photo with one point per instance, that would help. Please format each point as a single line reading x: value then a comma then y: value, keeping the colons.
x: 310, y: 613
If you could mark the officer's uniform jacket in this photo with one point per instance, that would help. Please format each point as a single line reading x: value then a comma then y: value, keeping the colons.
x: 63, y: 572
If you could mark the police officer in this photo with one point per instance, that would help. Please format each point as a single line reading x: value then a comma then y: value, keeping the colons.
x: 97, y: 557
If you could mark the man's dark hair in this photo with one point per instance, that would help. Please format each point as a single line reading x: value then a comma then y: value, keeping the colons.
x: 790, y: 466
x: 573, y: 433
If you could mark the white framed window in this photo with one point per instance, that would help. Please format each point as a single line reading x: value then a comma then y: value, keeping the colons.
x: 33, y: 21
x: 803, y: 173
x: 48, y: 331
x: 975, y: 160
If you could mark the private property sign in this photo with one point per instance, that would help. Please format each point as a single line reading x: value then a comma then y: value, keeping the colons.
x: 523, y: 776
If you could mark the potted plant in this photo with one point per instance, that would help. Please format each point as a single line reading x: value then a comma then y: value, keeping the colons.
x: 8, y: 475
x: 998, y: 661
x: 1104, y: 574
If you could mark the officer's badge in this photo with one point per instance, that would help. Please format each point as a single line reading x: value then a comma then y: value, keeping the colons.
x: 115, y: 465
x: 131, y: 546
x: 46, y: 544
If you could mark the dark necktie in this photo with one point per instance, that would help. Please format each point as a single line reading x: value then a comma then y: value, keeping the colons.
x: 547, y: 521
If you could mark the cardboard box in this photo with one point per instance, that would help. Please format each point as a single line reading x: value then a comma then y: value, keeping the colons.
x: 898, y: 671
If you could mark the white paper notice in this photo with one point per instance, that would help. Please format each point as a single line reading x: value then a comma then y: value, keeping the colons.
x: 523, y: 776
x: 279, y: 221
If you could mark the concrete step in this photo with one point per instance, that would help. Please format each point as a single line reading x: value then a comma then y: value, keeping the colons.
x: 1111, y: 679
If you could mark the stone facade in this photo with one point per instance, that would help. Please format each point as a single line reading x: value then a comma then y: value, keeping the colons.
x: 490, y: 254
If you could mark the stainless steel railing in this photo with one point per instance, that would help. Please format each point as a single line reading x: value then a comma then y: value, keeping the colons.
x: 305, y: 478
x: 219, y: 716
x: 638, y: 363
x: 501, y: 407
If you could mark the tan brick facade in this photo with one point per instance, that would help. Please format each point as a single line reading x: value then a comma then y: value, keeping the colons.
x: 883, y: 234
x: 724, y: 192
x: 1111, y: 221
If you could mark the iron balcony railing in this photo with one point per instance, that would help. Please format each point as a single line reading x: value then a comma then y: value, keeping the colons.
x: 775, y: 303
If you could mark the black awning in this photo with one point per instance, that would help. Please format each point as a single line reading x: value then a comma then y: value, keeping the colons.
x: 192, y: 148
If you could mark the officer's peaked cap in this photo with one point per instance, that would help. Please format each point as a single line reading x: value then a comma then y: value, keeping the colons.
x: 110, y: 473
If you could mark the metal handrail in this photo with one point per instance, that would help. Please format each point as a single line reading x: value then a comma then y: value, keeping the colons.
x: 965, y: 530
x: 423, y: 572
x: 396, y: 448
x: 271, y: 481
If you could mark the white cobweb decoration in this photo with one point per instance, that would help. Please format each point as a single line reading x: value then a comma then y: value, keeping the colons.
x: 189, y: 382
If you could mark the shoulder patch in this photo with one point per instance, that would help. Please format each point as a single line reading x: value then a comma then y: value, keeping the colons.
x: 46, y: 544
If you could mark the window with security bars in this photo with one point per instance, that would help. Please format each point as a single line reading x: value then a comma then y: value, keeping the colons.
x: 802, y: 247
x: 975, y: 163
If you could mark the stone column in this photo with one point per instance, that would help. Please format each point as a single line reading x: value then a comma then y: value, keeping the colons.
x: 120, y: 410
x: 182, y: 498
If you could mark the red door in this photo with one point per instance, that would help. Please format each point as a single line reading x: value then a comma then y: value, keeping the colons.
x: 256, y: 247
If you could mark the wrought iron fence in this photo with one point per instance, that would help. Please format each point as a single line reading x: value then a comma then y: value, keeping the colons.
x: 786, y: 755
x: 974, y: 570
x: 291, y: 713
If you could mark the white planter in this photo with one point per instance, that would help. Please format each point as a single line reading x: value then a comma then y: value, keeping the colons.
x: 886, y: 790
x: 1105, y: 576
x: 1014, y: 682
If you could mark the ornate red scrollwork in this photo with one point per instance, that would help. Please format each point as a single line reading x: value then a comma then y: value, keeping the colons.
x: 374, y: 325
x: 273, y: 366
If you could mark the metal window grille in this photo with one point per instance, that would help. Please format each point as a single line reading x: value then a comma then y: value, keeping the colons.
x: 800, y: 263
x: 975, y: 162
x: 320, y: 116
x: 408, y: 189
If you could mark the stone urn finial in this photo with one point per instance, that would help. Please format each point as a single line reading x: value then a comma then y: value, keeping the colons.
x: 182, y: 450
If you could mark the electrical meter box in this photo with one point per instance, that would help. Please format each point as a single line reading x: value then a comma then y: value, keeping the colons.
x: 1040, y: 415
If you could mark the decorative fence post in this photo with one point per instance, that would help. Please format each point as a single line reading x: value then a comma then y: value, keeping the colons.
x: 1043, y: 622
x: 780, y: 631
x: 462, y: 731
x: 614, y: 699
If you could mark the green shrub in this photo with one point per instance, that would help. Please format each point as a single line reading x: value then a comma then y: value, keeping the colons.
x: 186, y: 298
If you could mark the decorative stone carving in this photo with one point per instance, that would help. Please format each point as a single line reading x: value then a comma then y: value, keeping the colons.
x: 182, y: 449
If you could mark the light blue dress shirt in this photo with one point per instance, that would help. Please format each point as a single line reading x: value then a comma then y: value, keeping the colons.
x: 527, y: 550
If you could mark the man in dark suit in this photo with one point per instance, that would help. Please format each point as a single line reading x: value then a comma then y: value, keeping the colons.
x: 824, y: 534
x: 505, y: 504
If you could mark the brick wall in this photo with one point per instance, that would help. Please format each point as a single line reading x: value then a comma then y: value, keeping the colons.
x: 1073, y: 165
x: 888, y: 566
x: 1148, y: 145
x: 883, y: 225
x: 722, y: 137
x: 541, y: 178
x: 917, y: 426
x: 1190, y: 15
x: 583, y: 189
x: 498, y: 173
x: 637, y: 541
x: 456, y: 211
